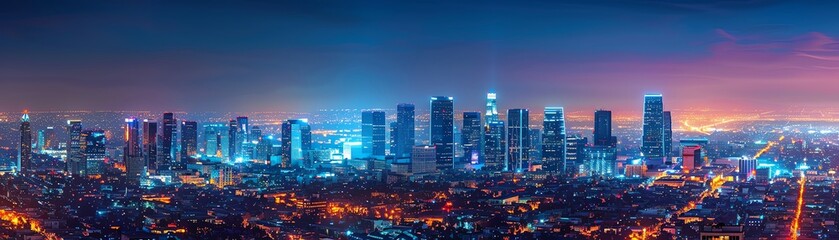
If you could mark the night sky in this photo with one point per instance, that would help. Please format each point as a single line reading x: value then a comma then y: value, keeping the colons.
x: 307, y: 55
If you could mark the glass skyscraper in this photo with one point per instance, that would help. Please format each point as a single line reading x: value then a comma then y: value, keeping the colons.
x: 603, y: 129
x: 150, y: 144
x: 472, y: 136
x: 518, y: 138
x: 133, y: 157
x: 373, y: 133
x: 652, y: 142
x: 25, y: 148
x: 553, y: 139
x: 296, y: 140
x: 442, y: 130
x: 75, y: 157
x: 168, y: 149
x: 94, y: 150
x: 189, y: 140
x: 404, y: 130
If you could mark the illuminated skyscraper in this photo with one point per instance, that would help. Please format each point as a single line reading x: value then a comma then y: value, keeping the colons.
x: 213, y: 133
x: 75, y: 158
x: 535, y: 150
x: 405, y: 136
x: 442, y: 130
x: 495, y: 146
x: 575, y: 153
x: 150, y: 144
x: 243, y: 139
x: 652, y: 142
x: 373, y: 133
x: 167, y: 140
x: 553, y: 139
x: 667, y: 145
x: 296, y: 140
x: 50, y: 139
x: 25, y: 148
x: 472, y: 136
x: 39, y: 143
x: 189, y: 140
x: 133, y: 156
x: 232, y: 139
x: 492, y: 108
x: 603, y: 129
x: 518, y: 138
x: 94, y: 150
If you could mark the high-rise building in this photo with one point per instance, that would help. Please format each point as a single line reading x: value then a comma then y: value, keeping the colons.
x: 50, y: 139
x: 39, y: 142
x: 495, y: 146
x: 296, y: 139
x: 232, y: 139
x: 132, y: 153
x: 667, y: 133
x: 189, y: 140
x: 553, y: 139
x: 492, y: 108
x: 603, y: 129
x: 213, y: 133
x: 167, y: 150
x: 575, y: 153
x: 373, y: 133
x: 150, y: 144
x: 423, y: 159
x: 535, y: 151
x: 94, y: 150
x: 442, y: 130
x: 601, y: 161
x: 518, y: 138
x: 24, y: 163
x: 243, y: 138
x: 652, y: 142
x: 404, y: 130
x: 692, y: 158
x: 472, y: 136
x: 75, y: 158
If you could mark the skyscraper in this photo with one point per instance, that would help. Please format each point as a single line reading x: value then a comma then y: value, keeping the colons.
x: 535, y: 150
x: 575, y: 153
x: 213, y: 133
x: 75, y: 158
x: 296, y: 140
x: 603, y: 129
x: 492, y: 108
x: 94, y: 150
x: 133, y: 157
x: 518, y: 138
x: 150, y: 144
x: 373, y: 133
x: 25, y: 149
x: 167, y: 140
x: 652, y: 142
x: 232, y: 139
x: 189, y: 140
x: 405, y: 136
x: 423, y: 159
x: 668, y: 138
x: 472, y: 136
x: 442, y: 130
x: 495, y: 146
x: 50, y: 139
x: 553, y: 139
x: 243, y: 139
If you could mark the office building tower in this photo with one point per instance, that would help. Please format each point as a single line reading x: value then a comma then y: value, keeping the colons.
x: 150, y: 144
x: 601, y: 161
x: 423, y: 159
x: 132, y: 154
x: 472, y: 136
x: 692, y: 158
x: 75, y: 157
x: 189, y: 140
x: 535, y: 151
x: 442, y: 130
x: 492, y: 108
x: 50, y: 139
x: 24, y: 163
x: 94, y: 152
x: 373, y: 133
x: 296, y: 139
x: 652, y: 142
x: 404, y: 130
x: 518, y: 138
x: 553, y: 139
x: 213, y: 133
x: 39, y: 142
x: 167, y: 150
x: 667, y: 133
x: 575, y: 153
x: 392, y: 138
x: 495, y: 146
x: 603, y: 129
x: 746, y: 167
x: 243, y: 138
x: 232, y: 139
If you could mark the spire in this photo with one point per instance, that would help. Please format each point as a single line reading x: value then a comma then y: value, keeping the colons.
x: 25, y: 117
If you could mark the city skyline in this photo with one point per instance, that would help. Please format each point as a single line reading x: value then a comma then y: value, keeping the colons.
x: 270, y: 56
